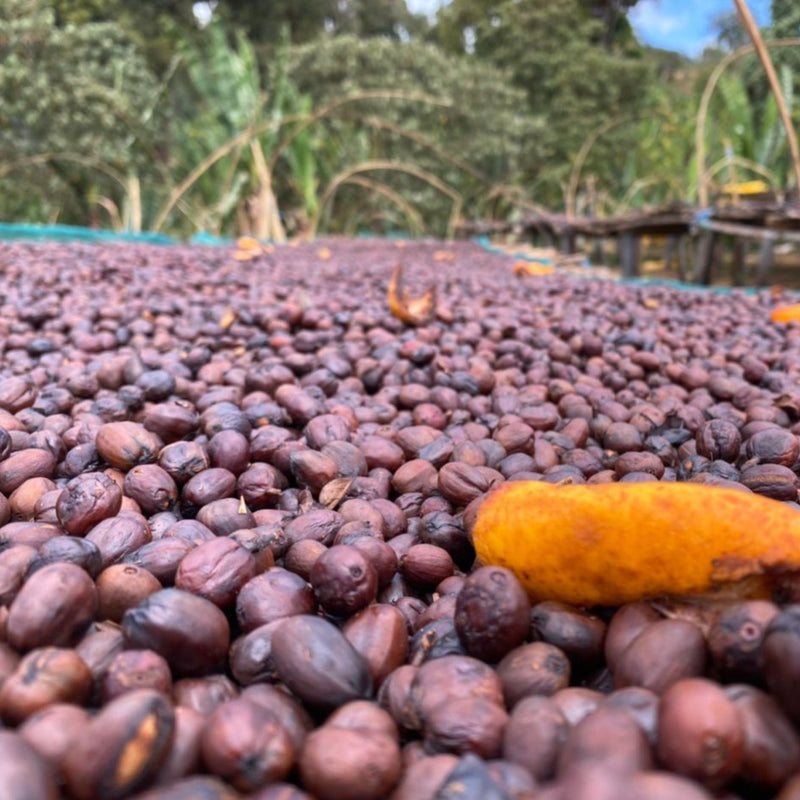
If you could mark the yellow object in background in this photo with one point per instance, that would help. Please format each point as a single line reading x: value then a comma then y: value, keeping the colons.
x: 786, y: 313
x: 532, y: 268
x: 248, y: 243
x: 746, y: 187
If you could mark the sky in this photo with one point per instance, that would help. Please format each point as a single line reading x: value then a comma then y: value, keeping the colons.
x: 686, y: 25
x: 682, y: 25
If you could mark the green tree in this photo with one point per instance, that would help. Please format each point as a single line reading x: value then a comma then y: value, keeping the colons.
x: 613, y: 15
x: 730, y: 34
x: 154, y: 26
x: 309, y: 19
x: 556, y: 53
x: 77, y: 118
x: 786, y: 25
x: 476, y: 137
x: 785, y: 18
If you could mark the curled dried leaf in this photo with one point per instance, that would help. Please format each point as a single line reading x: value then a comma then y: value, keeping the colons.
x: 335, y: 491
x: 411, y: 310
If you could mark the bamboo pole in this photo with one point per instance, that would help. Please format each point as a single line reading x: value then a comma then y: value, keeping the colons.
x: 774, y: 83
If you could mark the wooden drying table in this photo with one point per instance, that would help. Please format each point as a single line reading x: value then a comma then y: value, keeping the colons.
x: 769, y: 229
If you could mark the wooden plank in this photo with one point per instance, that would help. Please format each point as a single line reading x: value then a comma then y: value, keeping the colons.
x: 750, y: 231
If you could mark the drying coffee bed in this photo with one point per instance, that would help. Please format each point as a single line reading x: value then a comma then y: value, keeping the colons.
x: 235, y: 544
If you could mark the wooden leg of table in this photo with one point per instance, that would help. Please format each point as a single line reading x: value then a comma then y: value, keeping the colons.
x: 628, y: 247
x: 598, y: 251
x: 705, y: 257
x: 683, y: 257
x: 739, y: 260
x: 764, y: 260
x: 671, y: 250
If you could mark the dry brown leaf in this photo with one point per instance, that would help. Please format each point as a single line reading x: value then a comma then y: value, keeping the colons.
x: 411, y: 310
x: 227, y: 319
x: 323, y: 254
x: 334, y: 492
x: 305, y: 500
x: 790, y: 404
x: 522, y: 268
x: 651, y: 303
x: 248, y: 243
x: 443, y: 255
x: 247, y: 248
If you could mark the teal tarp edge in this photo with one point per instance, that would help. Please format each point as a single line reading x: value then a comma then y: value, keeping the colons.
x: 75, y: 233
x: 72, y: 233
x: 210, y: 240
x: 484, y: 242
x: 11, y: 231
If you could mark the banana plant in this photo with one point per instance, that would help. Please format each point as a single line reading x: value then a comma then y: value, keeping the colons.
x: 748, y: 136
x: 225, y: 82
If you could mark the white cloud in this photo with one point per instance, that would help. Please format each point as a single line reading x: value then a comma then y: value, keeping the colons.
x: 424, y: 6
x: 649, y: 21
x: 429, y: 7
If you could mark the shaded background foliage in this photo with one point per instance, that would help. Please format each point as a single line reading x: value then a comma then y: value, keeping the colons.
x: 344, y: 115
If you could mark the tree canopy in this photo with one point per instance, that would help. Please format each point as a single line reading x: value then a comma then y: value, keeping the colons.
x: 241, y: 116
x: 77, y: 113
